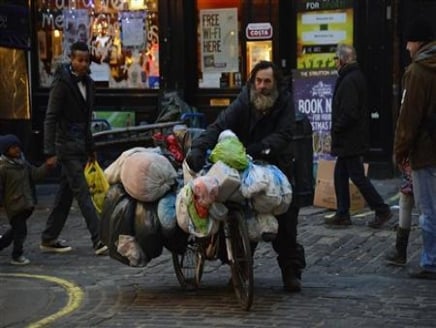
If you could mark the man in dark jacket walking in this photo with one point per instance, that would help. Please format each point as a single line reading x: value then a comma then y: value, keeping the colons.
x: 262, y: 117
x: 350, y: 136
x: 68, y: 139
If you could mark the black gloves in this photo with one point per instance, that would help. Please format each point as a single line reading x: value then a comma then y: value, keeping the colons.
x: 196, y: 159
x: 254, y: 149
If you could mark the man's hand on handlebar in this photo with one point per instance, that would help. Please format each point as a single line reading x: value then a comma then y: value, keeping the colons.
x: 196, y: 159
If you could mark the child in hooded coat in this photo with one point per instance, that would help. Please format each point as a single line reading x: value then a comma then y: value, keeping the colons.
x: 17, y: 190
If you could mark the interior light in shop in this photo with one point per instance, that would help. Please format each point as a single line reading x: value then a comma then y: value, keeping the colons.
x: 136, y: 4
x: 56, y: 33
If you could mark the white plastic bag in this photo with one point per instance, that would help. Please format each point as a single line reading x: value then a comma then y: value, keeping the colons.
x: 183, y: 200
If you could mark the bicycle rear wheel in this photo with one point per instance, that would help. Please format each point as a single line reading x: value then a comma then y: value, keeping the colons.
x: 242, y: 263
x: 189, y: 265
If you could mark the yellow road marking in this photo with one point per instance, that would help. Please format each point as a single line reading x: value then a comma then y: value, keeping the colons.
x: 74, y: 292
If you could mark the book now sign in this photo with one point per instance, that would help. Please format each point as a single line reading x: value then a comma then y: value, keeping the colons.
x: 259, y: 31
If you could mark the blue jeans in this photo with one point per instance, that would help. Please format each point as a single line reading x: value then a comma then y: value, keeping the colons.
x: 424, y: 189
x: 352, y: 168
x: 72, y: 185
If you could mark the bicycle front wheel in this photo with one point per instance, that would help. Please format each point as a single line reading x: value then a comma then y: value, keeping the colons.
x: 189, y: 265
x: 242, y: 263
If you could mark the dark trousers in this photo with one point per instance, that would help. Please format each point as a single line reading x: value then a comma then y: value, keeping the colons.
x: 16, y: 233
x: 352, y: 168
x: 290, y: 253
x: 72, y: 185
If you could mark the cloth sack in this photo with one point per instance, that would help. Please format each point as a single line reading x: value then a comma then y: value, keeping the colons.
x: 147, y: 176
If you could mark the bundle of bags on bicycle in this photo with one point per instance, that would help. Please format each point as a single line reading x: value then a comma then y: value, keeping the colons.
x: 156, y: 201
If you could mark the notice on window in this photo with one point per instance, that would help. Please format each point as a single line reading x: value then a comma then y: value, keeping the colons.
x: 313, y: 95
x: 219, y: 40
x: 133, y: 29
x: 319, y: 33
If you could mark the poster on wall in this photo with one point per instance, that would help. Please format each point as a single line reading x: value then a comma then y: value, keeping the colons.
x: 321, y: 26
x: 133, y: 29
x: 103, y: 44
x: 126, y: 52
x: 313, y: 93
x: 219, y: 40
x: 76, y: 28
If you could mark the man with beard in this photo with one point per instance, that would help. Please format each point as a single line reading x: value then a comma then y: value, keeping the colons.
x: 262, y: 117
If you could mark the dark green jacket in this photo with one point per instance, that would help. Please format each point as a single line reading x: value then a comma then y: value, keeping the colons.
x: 17, y: 178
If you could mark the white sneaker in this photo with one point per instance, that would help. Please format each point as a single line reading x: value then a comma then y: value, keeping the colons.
x: 100, y: 249
x: 20, y: 261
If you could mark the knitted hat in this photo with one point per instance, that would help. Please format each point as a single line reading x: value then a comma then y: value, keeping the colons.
x: 7, y: 141
x: 420, y: 31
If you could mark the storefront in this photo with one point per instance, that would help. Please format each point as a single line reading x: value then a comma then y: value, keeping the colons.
x: 205, y: 49
x: 139, y: 49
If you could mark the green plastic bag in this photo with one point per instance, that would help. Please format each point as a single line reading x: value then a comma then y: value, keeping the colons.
x: 230, y: 151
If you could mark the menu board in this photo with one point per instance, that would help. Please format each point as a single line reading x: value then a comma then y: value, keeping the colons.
x: 321, y: 26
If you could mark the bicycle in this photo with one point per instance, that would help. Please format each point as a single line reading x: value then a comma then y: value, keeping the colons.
x: 189, y: 265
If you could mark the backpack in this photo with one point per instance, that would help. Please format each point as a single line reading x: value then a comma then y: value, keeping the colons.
x: 302, y: 148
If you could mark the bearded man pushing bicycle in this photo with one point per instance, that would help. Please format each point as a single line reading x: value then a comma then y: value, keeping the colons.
x: 262, y: 117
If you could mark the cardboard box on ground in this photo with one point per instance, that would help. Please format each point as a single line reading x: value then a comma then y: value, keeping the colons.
x: 325, y: 195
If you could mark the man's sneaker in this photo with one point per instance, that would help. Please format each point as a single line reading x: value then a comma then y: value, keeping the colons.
x: 55, y: 247
x: 100, y: 248
x: 21, y: 260
x: 380, y: 219
x: 337, y: 220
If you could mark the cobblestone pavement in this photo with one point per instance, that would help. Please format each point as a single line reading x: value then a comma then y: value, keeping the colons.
x: 345, y: 284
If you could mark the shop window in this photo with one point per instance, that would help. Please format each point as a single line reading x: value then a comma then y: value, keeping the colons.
x: 257, y: 51
x: 123, y: 36
x: 219, y: 50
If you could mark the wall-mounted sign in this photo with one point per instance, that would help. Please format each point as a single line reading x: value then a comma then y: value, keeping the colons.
x: 259, y: 31
x: 219, y: 40
x: 321, y: 26
x: 313, y: 95
x: 219, y: 102
x: 14, y: 26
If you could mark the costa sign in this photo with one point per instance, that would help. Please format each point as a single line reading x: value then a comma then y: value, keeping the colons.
x: 259, y: 31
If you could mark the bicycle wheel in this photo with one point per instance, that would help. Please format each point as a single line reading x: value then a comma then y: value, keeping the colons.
x: 242, y: 263
x: 189, y: 266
